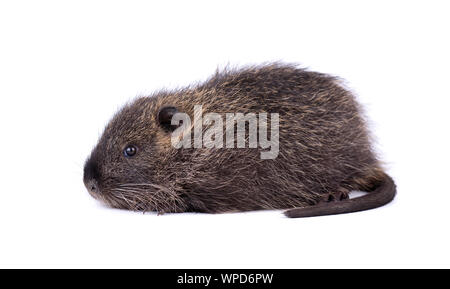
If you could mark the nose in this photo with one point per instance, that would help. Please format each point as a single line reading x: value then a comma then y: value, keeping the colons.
x: 91, y: 176
x: 92, y: 186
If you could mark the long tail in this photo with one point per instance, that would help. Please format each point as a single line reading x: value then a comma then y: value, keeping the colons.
x: 381, y: 195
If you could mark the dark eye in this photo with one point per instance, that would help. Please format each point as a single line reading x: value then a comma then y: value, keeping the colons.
x: 130, y: 151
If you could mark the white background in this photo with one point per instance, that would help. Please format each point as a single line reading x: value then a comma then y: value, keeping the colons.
x: 67, y: 66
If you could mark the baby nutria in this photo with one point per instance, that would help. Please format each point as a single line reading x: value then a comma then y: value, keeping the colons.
x: 322, y: 149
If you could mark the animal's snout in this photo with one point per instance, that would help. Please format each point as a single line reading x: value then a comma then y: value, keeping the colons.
x: 91, y: 176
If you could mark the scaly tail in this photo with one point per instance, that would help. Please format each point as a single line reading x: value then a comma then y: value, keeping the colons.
x: 381, y: 195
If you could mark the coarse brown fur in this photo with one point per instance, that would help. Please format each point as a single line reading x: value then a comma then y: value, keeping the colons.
x: 325, y: 150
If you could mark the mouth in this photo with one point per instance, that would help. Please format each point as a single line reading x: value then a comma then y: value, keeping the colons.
x: 102, y: 196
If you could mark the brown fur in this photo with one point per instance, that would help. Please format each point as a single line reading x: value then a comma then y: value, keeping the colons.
x: 324, y: 148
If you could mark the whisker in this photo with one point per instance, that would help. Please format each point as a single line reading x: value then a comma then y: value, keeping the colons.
x: 145, y: 197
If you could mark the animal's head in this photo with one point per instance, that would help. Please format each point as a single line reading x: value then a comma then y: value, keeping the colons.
x: 126, y: 168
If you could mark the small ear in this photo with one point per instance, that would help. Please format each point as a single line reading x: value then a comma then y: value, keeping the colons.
x: 164, y: 118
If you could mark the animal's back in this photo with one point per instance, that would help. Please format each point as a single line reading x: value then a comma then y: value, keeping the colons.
x: 324, y: 149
